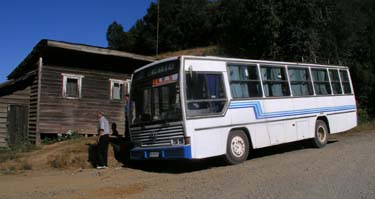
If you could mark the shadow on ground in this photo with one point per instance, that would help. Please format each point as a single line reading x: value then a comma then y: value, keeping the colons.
x: 122, y: 148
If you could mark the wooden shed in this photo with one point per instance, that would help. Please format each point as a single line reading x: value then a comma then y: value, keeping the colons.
x: 59, y: 87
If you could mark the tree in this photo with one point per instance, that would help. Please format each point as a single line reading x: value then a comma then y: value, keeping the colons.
x: 116, y: 37
x: 182, y: 24
x: 317, y: 31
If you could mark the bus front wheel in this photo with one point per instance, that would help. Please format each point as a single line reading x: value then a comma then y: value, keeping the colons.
x: 321, y: 134
x: 237, y: 147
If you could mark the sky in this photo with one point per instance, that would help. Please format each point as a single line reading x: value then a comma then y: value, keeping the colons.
x: 23, y: 23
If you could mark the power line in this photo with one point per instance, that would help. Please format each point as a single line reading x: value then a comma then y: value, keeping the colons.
x: 157, y: 29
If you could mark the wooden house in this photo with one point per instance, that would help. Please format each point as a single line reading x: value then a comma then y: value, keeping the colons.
x: 59, y: 87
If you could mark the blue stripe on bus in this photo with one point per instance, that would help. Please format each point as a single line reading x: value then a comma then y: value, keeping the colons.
x: 259, y: 114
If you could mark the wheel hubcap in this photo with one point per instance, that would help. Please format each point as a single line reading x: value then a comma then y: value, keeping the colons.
x: 321, y: 134
x: 238, y: 146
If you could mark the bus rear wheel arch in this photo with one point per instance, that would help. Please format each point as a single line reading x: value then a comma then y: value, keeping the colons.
x: 238, y: 146
x: 321, y: 133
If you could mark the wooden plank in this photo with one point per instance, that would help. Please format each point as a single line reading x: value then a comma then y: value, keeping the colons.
x: 3, y: 144
x: 15, y: 101
x: 56, y: 113
x: 4, y: 110
x: 53, y: 70
x: 3, y: 125
x: 96, y: 50
x: 17, y: 97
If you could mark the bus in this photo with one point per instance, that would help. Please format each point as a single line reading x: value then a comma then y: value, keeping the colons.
x: 192, y: 107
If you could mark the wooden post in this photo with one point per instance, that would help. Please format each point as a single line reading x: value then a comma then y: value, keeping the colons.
x: 37, y: 133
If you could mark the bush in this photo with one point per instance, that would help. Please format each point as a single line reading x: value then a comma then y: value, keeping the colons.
x: 62, y: 137
x: 363, y: 116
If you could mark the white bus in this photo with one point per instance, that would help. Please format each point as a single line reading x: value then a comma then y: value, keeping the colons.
x: 198, y: 107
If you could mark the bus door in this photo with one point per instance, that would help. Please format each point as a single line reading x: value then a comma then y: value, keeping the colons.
x: 206, y: 102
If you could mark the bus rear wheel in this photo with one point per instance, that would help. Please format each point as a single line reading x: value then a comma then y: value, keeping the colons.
x: 237, y: 147
x: 321, y: 134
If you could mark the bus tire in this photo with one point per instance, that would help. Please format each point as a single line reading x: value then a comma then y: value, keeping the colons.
x: 237, y: 147
x: 321, y: 134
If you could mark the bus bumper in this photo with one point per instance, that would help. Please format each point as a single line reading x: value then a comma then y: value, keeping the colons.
x: 171, y: 152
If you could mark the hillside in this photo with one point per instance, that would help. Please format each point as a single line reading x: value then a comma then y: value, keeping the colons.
x: 201, y: 51
x: 69, y: 154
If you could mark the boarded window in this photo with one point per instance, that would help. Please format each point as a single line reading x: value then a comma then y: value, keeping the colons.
x: 72, y: 86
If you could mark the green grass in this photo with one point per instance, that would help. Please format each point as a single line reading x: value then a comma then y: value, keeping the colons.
x: 52, y: 140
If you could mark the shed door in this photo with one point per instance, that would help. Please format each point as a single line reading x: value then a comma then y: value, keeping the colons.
x: 17, y: 124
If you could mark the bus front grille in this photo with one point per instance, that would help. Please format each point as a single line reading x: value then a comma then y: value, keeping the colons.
x: 157, y: 135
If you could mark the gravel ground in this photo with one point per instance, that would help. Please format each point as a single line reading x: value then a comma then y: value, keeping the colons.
x: 345, y: 168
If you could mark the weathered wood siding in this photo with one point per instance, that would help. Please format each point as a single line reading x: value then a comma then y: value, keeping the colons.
x: 33, y: 106
x: 59, y: 115
x: 17, y: 97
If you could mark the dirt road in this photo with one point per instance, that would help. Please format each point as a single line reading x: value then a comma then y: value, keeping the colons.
x: 345, y: 168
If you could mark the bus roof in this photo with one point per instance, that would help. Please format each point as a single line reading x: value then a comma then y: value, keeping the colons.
x: 237, y: 60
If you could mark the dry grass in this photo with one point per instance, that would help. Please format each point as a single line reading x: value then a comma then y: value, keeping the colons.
x: 70, y: 154
x: 364, y: 127
x: 68, y: 160
x: 202, y: 51
x: 74, y: 154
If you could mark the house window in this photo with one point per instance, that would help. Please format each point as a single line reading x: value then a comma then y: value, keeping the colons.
x: 128, y: 84
x: 117, y: 89
x: 72, y: 86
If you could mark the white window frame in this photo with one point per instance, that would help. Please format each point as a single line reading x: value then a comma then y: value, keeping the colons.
x: 117, y: 81
x: 65, y: 80
x: 128, y: 86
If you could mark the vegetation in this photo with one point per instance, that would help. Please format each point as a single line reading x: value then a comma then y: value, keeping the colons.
x: 61, y: 137
x: 14, y: 151
x: 318, y: 31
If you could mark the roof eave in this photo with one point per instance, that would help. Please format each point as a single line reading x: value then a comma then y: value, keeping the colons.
x: 42, y: 44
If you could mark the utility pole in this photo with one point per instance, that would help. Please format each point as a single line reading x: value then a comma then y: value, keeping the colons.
x: 157, y: 28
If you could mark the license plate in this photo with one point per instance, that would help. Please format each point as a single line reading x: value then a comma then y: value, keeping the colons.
x: 154, y: 154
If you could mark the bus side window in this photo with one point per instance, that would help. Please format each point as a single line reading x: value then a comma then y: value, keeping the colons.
x: 205, y: 94
x: 275, y: 82
x: 345, y: 81
x: 335, y: 81
x: 321, y: 81
x: 300, y: 81
x: 244, y: 81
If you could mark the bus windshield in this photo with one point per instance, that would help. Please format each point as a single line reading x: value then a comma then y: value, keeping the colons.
x: 155, y: 96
